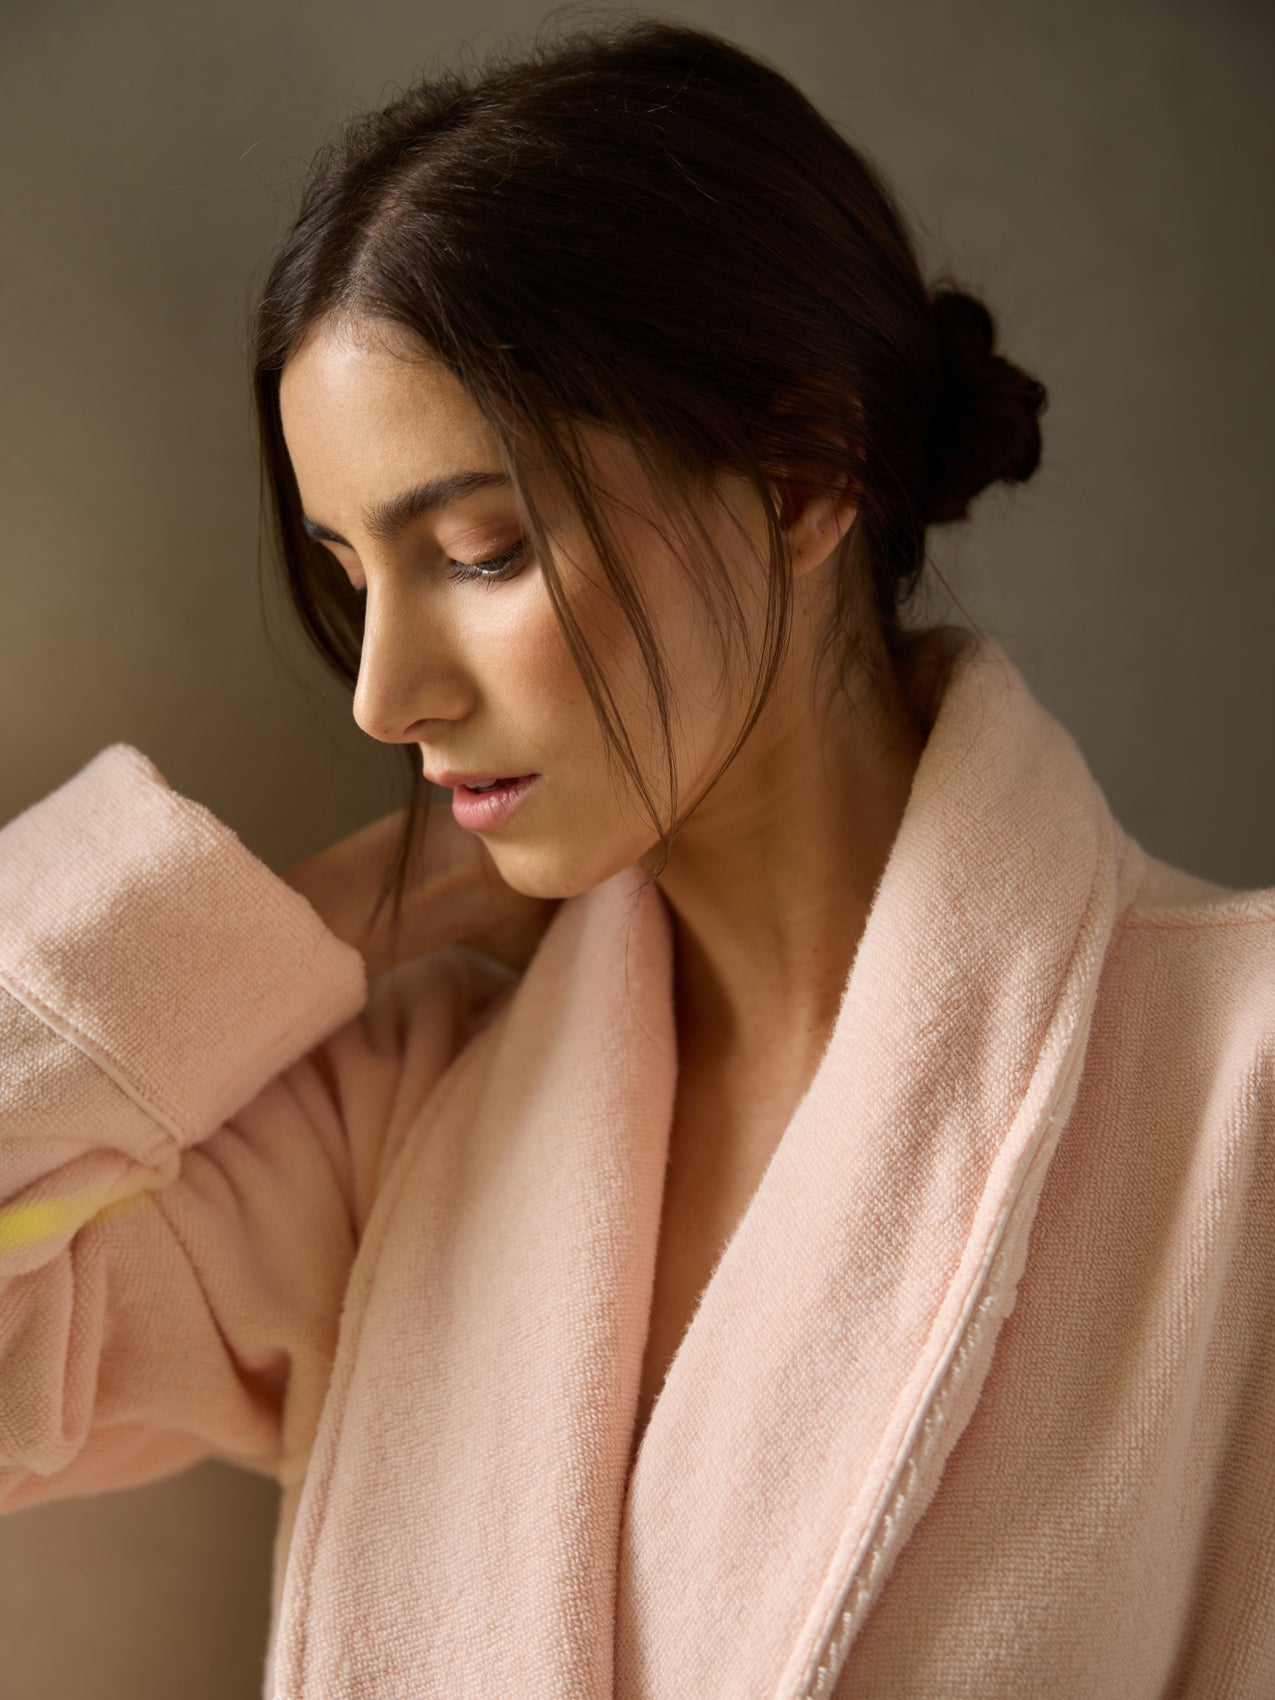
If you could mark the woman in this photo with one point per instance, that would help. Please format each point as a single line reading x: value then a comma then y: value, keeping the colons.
x: 613, y: 1255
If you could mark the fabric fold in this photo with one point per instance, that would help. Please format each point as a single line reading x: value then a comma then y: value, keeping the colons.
x: 466, y: 1502
x: 856, y: 1285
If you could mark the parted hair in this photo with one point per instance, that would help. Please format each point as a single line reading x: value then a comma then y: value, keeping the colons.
x: 642, y: 226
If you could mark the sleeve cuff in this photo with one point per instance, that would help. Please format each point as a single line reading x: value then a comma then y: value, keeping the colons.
x: 146, y: 929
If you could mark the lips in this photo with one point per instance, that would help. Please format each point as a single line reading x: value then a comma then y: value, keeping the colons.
x: 451, y: 779
x: 486, y: 810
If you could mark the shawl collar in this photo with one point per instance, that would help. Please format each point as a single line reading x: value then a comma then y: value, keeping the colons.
x: 469, y: 1505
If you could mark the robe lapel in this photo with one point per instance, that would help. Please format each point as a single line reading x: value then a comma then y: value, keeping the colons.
x: 461, y: 1515
x: 840, y: 1345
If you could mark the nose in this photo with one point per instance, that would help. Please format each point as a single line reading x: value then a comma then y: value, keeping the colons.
x: 405, y: 685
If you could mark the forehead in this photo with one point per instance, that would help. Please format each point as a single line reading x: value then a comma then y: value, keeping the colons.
x: 366, y: 410
x: 374, y: 378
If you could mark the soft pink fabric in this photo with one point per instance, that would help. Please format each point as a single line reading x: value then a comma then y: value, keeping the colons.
x: 979, y: 1401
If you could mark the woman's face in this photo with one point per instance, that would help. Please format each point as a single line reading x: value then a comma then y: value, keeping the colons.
x: 471, y: 665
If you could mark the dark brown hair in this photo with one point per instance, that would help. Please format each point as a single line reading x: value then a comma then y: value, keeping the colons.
x: 642, y: 226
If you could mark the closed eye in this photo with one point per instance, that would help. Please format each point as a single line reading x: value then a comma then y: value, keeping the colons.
x: 496, y: 569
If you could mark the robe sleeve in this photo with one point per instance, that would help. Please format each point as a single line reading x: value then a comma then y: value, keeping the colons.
x: 199, y: 1097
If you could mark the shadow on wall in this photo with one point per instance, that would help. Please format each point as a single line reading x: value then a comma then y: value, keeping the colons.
x: 162, y: 1590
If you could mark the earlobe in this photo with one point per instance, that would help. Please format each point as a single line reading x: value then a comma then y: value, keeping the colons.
x: 816, y: 523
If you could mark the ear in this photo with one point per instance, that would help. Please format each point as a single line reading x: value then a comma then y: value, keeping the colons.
x: 815, y: 521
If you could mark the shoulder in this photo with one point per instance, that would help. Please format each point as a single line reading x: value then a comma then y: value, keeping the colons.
x: 1200, y: 954
x: 1170, y: 899
x: 1182, y: 1044
x: 1166, y: 1169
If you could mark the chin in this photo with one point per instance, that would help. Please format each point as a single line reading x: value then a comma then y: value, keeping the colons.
x: 553, y: 877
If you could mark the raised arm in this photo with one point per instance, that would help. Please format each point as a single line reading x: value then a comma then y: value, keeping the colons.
x: 197, y: 1094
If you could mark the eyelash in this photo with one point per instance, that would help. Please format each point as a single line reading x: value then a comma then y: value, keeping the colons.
x: 506, y: 566
x: 497, y: 569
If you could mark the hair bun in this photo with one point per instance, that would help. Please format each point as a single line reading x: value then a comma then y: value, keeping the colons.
x: 986, y: 423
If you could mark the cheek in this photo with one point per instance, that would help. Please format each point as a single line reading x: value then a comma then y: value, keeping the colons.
x: 690, y: 650
x: 530, y: 675
x: 532, y: 679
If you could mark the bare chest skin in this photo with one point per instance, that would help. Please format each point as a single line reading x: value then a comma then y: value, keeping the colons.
x: 725, y: 1130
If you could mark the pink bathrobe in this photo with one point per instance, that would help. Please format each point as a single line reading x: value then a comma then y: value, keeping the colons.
x: 978, y: 1402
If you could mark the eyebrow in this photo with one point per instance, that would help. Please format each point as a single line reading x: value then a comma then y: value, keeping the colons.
x: 388, y: 520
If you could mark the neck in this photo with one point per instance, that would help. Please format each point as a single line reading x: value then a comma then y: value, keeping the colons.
x: 771, y: 880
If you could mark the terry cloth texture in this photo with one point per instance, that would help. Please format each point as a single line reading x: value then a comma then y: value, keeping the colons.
x: 979, y: 1400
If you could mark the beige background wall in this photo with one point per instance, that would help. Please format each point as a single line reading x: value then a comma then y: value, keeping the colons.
x: 1099, y: 172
